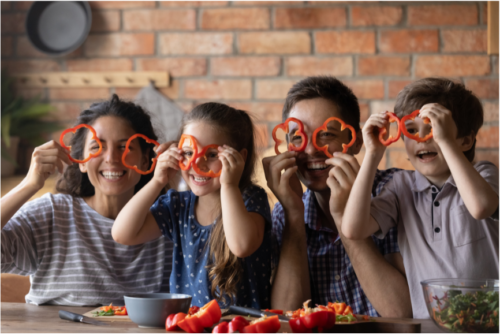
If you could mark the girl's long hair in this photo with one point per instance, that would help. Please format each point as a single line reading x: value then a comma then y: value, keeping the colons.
x: 225, y: 270
x: 76, y: 183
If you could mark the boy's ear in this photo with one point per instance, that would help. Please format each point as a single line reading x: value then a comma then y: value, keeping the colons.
x: 467, y: 142
x: 356, y: 147
x: 244, y: 153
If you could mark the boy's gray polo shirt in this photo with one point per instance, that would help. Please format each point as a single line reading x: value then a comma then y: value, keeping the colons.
x: 437, y: 235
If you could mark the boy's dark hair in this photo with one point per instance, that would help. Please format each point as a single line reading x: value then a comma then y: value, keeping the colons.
x: 465, y: 107
x: 329, y: 88
x: 76, y: 183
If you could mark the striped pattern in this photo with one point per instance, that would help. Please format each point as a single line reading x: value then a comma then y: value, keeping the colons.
x: 67, y: 249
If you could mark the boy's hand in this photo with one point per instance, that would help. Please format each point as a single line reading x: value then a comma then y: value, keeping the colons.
x: 370, y: 133
x: 233, y: 165
x: 340, y: 180
x: 444, y: 128
x: 286, y: 187
x: 167, y: 164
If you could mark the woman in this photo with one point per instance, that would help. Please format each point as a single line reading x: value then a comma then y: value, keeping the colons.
x: 63, y: 241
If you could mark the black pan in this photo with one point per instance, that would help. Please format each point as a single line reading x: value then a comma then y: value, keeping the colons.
x: 58, y: 27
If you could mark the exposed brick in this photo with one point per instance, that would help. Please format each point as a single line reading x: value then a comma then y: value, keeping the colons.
x: 377, y: 107
x: 218, y: 89
x: 23, y: 5
x: 6, y: 6
x: 483, y: 88
x: 273, y: 89
x: 193, y: 3
x: 79, y: 93
x: 7, y: 46
x: 465, y: 40
x: 24, y: 48
x: 399, y: 159
x: 484, y: 12
x: 13, y: 22
x: 176, y: 67
x: 439, y: 15
x: 159, y: 19
x: 451, y: 66
x: 121, y: 4
x: 376, y: 16
x: 261, y: 111
x: 129, y: 93
x: 341, y: 42
x: 103, y: 64
x: 105, y: 21
x: 395, y: 86
x: 316, y: 66
x: 261, y: 135
x: 487, y: 155
x: 309, y: 18
x: 366, y: 89
x: 196, y: 43
x: 235, y: 19
x: 364, y: 111
x: 15, y: 66
x: 30, y: 93
x: 274, y: 43
x: 245, y: 66
x: 384, y: 65
x: 487, y: 137
x: 265, y: 3
x: 64, y: 111
x: 120, y: 44
x: 409, y: 41
x: 490, y: 111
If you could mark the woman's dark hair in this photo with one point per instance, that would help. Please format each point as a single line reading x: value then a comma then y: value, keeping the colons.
x: 329, y: 88
x: 225, y: 269
x: 465, y: 107
x: 76, y: 183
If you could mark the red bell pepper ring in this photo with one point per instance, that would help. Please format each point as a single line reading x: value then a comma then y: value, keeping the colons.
x: 127, y: 150
x: 94, y: 137
x: 173, y: 320
x: 221, y: 328
x: 314, y: 322
x: 202, y: 154
x: 383, y: 131
x: 237, y: 324
x: 415, y: 137
x: 284, y: 126
x: 343, y: 126
x: 185, y: 137
x: 263, y: 325
x: 207, y: 316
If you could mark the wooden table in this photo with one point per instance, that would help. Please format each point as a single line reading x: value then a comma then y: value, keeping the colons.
x: 25, y: 318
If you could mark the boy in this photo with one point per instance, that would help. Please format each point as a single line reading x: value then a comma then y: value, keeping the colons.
x: 447, y: 209
x: 315, y: 260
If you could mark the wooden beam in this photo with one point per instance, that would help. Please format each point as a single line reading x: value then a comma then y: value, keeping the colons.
x: 492, y: 27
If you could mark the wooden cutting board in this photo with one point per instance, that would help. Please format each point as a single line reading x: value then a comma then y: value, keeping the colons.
x: 106, y: 318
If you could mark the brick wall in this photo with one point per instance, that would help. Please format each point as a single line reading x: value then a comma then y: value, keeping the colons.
x: 248, y: 54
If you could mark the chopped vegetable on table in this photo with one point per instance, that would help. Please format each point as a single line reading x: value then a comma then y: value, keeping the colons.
x: 266, y: 324
x: 275, y: 311
x: 207, y: 316
x: 110, y: 311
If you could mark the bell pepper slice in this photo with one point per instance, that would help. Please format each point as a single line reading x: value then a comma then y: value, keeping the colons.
x: 263, y: 325
x: 127, y: 150
x: 221, y: 328
x: 202, y: 154
x: 383, y: 131
x: 121, y: 311
x: 94, y: 137
x: 185, y: 137
x: 237, y: 324
x: 416, y: 136
x: 339, y: 307
x: 343, y: 126
x: 172, y: 321
x: 275, y: 311
x: 284, y: 126
x: 207, y: 316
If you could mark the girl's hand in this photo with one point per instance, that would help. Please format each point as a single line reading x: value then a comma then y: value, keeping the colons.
x: 44, y: 161
x: 444, y: 128
x: 370, y: 133
x: 232, y: 165
x: 167, y: 163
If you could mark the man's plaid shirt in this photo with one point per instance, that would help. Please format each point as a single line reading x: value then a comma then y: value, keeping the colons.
x: 331, y: 273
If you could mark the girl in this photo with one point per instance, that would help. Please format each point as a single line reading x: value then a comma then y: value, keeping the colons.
x: 63, y: 241
x: 221, y: 229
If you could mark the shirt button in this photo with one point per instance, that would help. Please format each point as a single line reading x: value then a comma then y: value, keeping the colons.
x: 437, y: 229
x: 337, y: 277
x: 434, y: 190
x: 436, y: 203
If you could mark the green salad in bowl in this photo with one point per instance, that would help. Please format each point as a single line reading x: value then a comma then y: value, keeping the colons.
x: 463, y: 305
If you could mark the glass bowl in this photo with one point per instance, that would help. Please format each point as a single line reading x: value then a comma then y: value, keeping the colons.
x: 463, y: 305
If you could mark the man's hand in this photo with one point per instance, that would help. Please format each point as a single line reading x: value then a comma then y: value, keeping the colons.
x: 444, y: 128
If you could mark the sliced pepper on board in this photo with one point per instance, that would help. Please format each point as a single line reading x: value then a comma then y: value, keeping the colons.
x: 237, y: 324
x: 221, y: 328
x: 207, y: 316
x: 265, y: 324
x: 275, y: 311
x: 415, y: 137
x: 318, y: 321
x: 173, y: 320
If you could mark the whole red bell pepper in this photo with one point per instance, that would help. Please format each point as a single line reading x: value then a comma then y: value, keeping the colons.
x: 415, y: 137
x: 314, y: 322
x: 221, y: 328
x: 237, y: 324
x: 172, y: 321
x: 263, y: 325
x: 383, y: 131
x: 207, y: 316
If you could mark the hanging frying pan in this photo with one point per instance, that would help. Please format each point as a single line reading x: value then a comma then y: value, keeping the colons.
x: 58, y: 27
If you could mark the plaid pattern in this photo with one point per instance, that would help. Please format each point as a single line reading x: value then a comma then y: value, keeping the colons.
x: 332, y: 275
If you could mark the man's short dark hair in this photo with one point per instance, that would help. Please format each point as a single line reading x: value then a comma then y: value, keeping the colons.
x: 329, y: 88
x: 465, y: 107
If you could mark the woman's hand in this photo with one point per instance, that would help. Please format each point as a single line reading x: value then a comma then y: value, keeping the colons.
x: 167, y: 163
x: 44, y: 161
x: 232, y: 165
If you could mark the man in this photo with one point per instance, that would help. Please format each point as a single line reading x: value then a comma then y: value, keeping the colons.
x: 315, y: 260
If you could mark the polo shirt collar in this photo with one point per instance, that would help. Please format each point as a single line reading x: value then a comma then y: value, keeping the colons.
x: 421, y: 183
